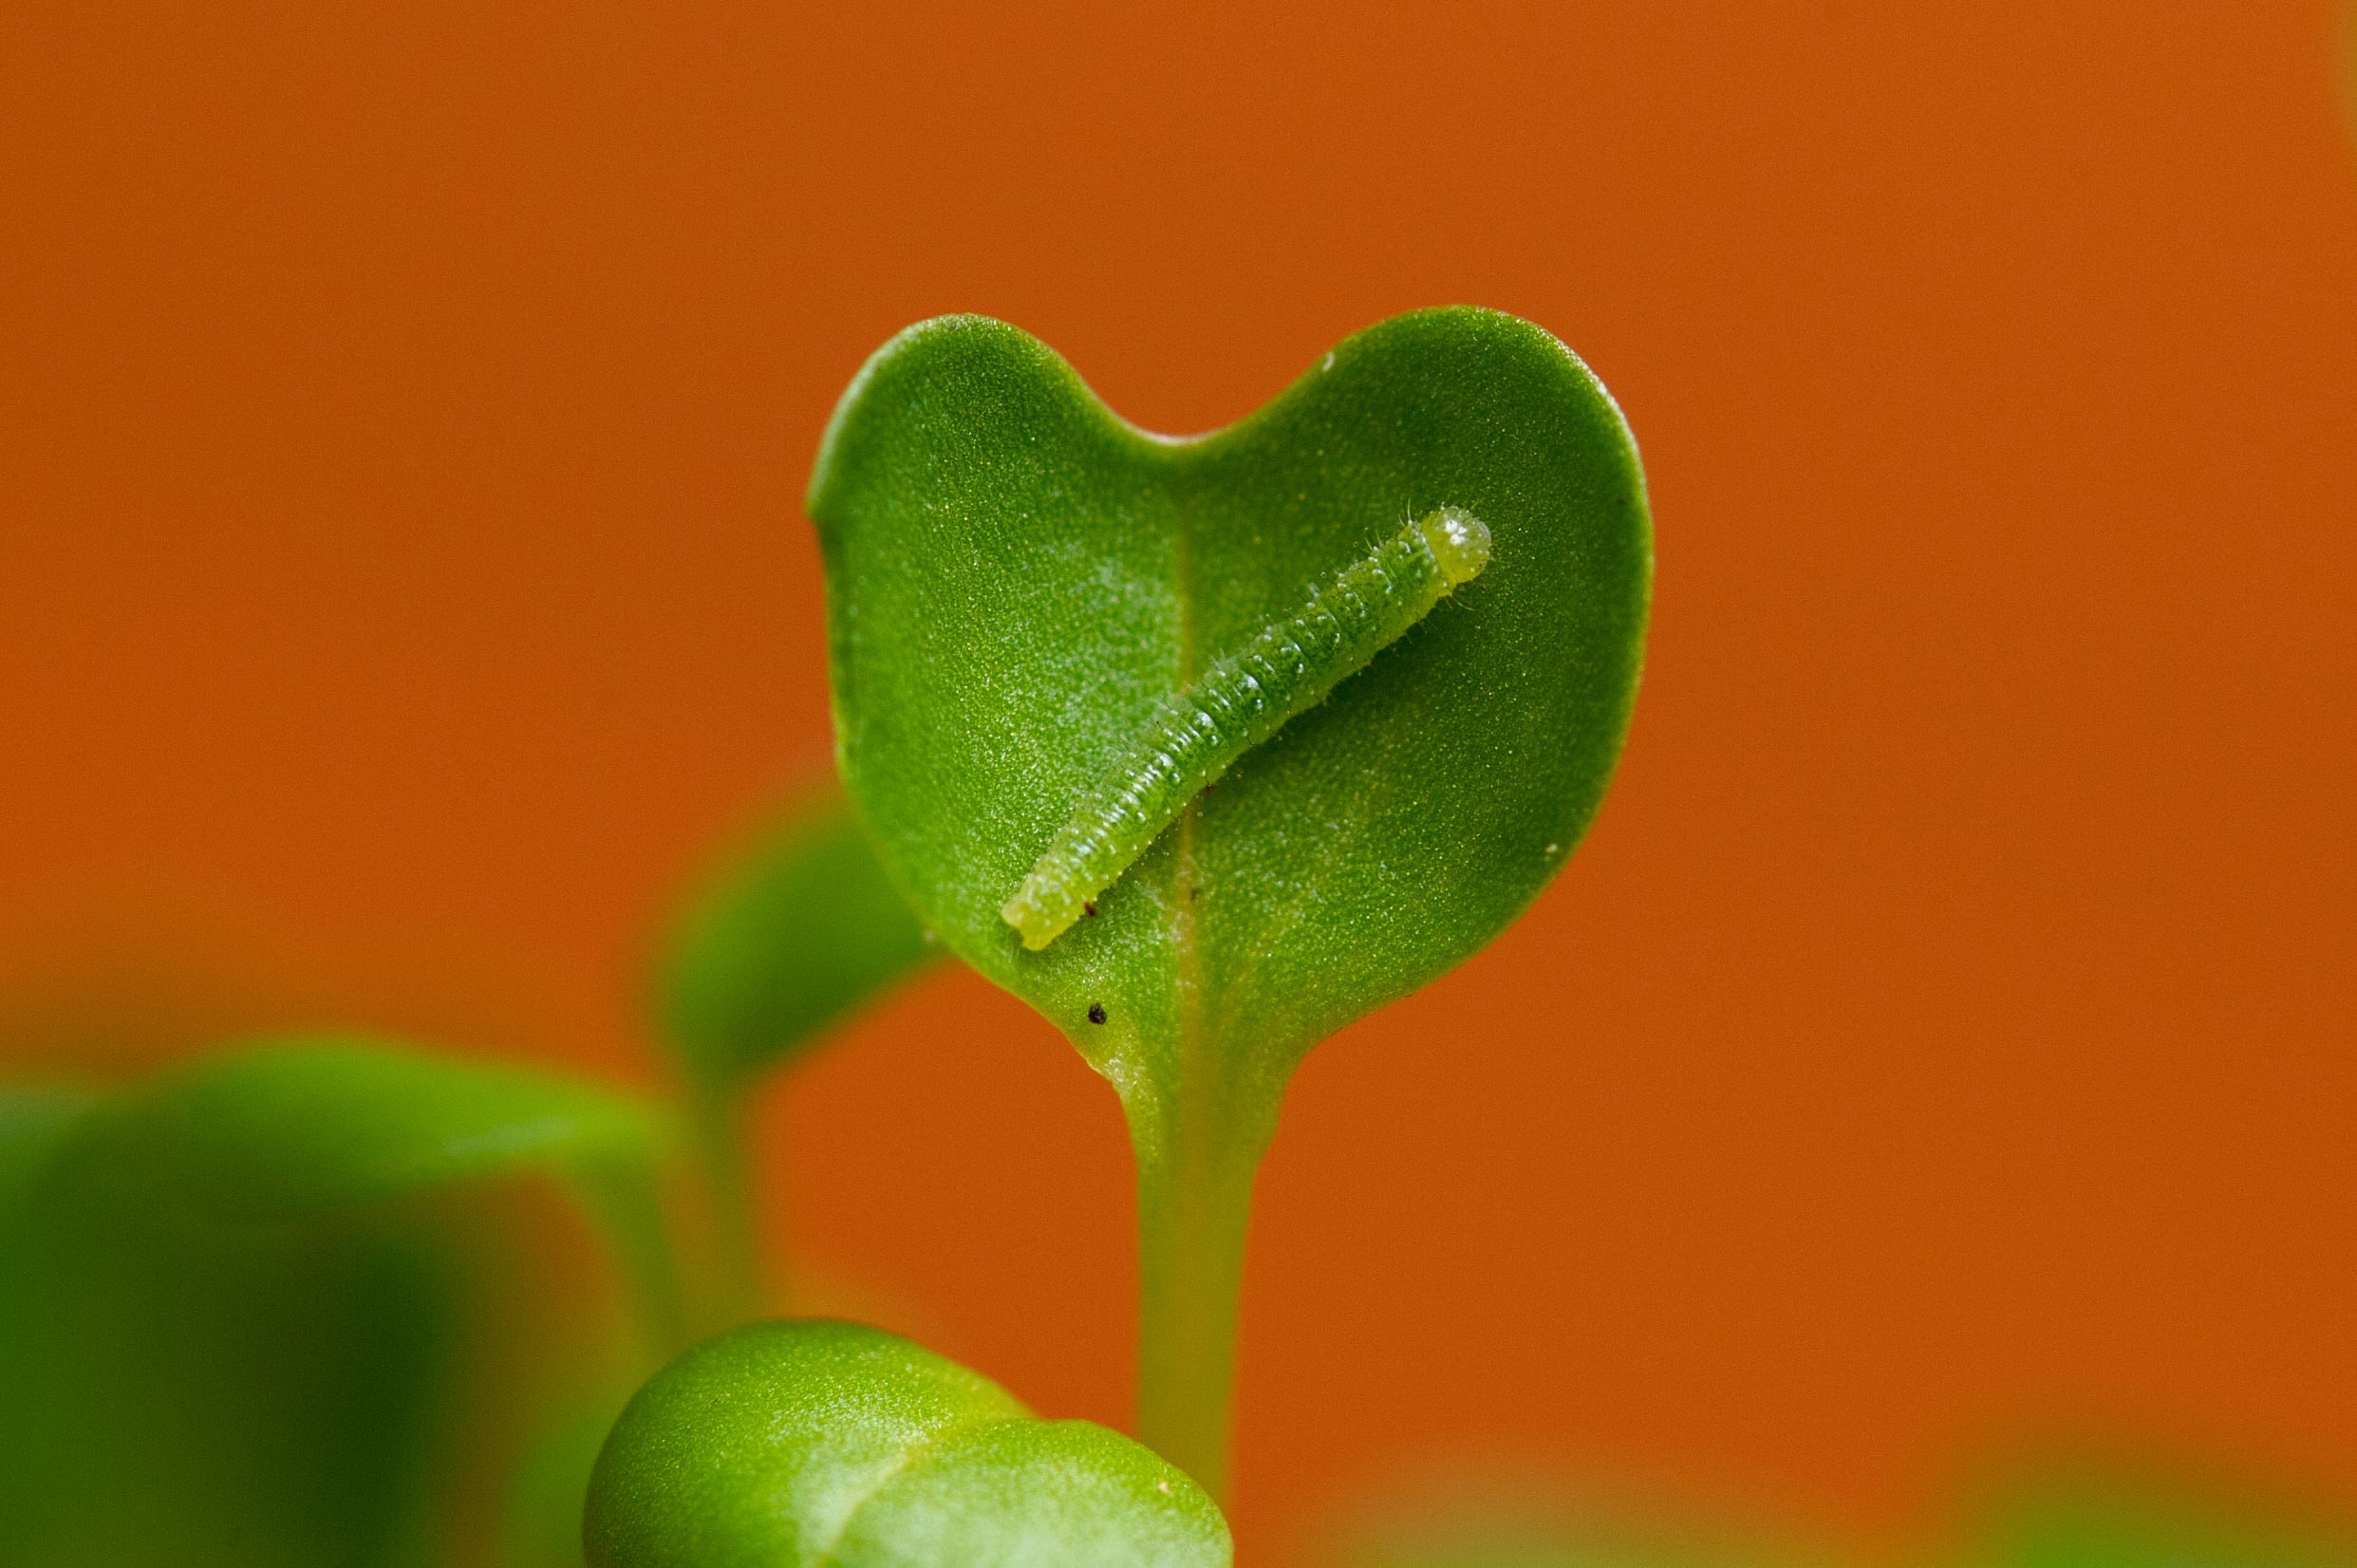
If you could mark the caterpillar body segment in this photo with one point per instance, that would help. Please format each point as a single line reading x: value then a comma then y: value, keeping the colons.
x: 1241, y: 700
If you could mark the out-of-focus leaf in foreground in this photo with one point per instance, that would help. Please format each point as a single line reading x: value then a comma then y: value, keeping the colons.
x: 289, y: 1131
x: 2082, y: 1514
x: 234, y: 1322
x: 798, y: 1445
x: 34, y: 1121
x: 782, y: 943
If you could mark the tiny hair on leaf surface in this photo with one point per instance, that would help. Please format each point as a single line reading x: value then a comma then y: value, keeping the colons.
x: 798, y: 1445
x: 1023, y: 591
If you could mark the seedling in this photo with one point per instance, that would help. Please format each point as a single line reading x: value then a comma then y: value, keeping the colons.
x: 243, y: 1304
x: 1204, y: 748
x: 1394, y: 617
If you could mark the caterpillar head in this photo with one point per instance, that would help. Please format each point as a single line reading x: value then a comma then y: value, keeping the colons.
x: 1459, y: 541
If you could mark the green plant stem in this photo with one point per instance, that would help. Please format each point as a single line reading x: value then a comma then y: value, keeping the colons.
x: 624, y: 1199
x: 1195, y: 1174
x: 747, y: 1274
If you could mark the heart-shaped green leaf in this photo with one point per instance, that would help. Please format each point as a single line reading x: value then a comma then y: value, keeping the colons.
x: 1018, y: 580
x: 798, y: 1445
x: 1020, y: 585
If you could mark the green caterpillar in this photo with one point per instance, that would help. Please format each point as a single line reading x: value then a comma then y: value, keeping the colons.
x: 1241, y: 699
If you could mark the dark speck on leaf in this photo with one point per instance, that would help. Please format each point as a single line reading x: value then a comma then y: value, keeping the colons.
x: 1096, y: 1012
x: 1089, y: 909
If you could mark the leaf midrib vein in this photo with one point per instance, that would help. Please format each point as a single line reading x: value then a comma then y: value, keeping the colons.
x: 1187, y: 974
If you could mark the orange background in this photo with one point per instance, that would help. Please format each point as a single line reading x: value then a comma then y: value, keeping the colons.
x: 1952, y: 1022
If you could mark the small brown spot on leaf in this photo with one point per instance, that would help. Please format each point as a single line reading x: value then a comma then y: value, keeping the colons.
x: 1096, y: 1012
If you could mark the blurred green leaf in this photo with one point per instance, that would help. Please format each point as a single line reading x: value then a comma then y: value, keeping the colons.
x: 2083, y: 1515
x: 225, y: 1337
x: 34, y: 1123
x: 540, y: 1525
x: 784, y: 941
x: 1020, y: 584
x: 290, y: 1130
x: 180, y: 1392
x: 819, y: 1442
